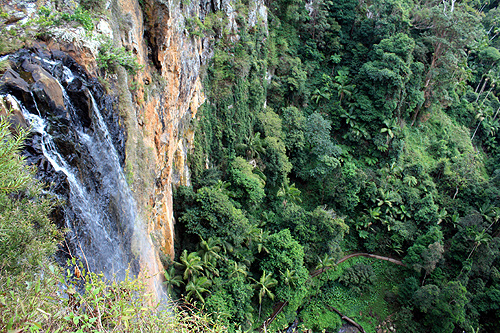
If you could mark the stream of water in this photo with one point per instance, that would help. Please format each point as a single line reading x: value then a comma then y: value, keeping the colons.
x: 104, y: 228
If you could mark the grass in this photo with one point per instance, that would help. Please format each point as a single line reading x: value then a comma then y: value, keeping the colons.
x: 368, y: 308
x: 4, y: 66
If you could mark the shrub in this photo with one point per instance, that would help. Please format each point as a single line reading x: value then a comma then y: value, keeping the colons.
x: 358, y: 277
x: 81, y: 16
x: 62, y: 301
x: 93, y: 5
x: 37, y: 296
x: 48, y: 17
x: 26, y: 234
x: 110, y: 57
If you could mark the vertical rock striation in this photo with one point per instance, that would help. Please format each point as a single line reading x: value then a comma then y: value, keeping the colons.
x: 167, y: 95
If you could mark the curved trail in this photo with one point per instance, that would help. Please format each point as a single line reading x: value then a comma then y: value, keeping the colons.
x: 281, y: 305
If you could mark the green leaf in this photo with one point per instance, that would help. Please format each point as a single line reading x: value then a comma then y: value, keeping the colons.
x: 10, y: 323
x: 43, y: 311
x: 363, y: 234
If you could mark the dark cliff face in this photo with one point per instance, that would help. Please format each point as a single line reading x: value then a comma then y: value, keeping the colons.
x: 38, y: 79
x: 78, y: 148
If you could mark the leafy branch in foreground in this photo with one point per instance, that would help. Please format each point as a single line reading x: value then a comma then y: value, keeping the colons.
x: 27, y: 236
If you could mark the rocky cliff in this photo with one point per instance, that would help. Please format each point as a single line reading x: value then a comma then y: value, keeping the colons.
x: 164, y: 100
x: 157, y: 104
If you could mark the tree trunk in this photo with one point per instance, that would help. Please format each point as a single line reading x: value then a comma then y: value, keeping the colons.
x: 482, y: 89
x: 473, y: 135
x: 478, y: 85
x: 349, y: 320
x: 415, y: 114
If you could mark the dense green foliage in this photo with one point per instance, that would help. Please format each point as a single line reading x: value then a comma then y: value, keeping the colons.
x: 110, y: 57
x: 349, y: 126
x: 59, y: 301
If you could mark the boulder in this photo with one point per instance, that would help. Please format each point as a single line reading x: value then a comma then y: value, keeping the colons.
x: 9, y: 107
x: 46, y: 88
x: 81, y: 101
x: 13, y: 83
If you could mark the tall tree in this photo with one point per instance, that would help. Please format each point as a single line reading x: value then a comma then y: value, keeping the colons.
x: 196, y: 287
x: 448, y: 31
x: 192, y: 264
x: 171, y: 280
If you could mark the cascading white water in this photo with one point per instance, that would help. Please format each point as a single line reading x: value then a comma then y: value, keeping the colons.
x: 101, y: 213
x: 96, y: 226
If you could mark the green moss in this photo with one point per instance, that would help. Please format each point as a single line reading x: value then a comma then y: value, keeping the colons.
x: 81, y: 16
x: 438, y: 137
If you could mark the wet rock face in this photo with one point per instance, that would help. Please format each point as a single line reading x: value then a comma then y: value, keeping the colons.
x: 8, y: 107
x: 13, y: 81
x: 55, y: 87
x: 37, y: 79
x: 79, y: 94
x: 45, y: 87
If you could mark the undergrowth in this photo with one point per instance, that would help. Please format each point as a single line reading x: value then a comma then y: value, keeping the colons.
x: 110, y: 57
x: 368, y: 306
x: 75, y: 300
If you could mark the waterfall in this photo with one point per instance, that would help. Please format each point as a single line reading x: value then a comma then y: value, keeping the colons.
x: 104, y: 229
x: 97, y: 238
